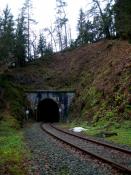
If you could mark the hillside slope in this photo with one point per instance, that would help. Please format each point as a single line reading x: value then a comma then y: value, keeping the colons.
x: 100, y: 73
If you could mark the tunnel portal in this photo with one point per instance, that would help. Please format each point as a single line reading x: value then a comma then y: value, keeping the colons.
x: 47, y: 104
x: 48, y: 111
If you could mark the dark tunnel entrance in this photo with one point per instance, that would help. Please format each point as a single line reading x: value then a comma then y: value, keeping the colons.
x: 48, y: 111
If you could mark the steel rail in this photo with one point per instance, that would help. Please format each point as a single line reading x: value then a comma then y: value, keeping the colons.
x: 94, y: 140
x: 105, y: 160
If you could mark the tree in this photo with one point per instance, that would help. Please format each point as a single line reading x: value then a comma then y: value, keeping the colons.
x: 7, y: 36
x: 41, y: 45
x: 51, y: 32
x: 81, y: 27
x: 105, y: 16
x: 34, y: 45
x: 48, y: 50
x: 21, y: 39
x: 84, y: 28
x: 97, y: 30
x: 0, y: 26
x: 109, y: 17
x: 61, y: 23
x: 123, y: 18
x: 28, y: 13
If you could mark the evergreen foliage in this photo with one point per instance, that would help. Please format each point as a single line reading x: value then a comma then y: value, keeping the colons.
x: 7, y: 36
x: 41, y: 45
x: 85, y: 30
x: 44, y: 49
x: 21, y: 40
x: 18, y: 43
x: 123, y: 18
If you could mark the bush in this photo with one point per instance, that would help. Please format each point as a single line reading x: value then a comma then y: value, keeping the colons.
x: 14, y: 98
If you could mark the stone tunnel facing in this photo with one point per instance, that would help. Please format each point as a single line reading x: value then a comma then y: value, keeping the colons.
x: 48, y: 111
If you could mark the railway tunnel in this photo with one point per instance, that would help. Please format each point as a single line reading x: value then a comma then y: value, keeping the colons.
x: 50, y: 105
x: 48, y: 111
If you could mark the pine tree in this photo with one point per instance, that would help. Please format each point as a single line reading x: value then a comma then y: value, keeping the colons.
x: 81, y: 27
x: 41, y: 45
x: 84, y: 30
x: 21, y: 39
x: 7, y: 36
x: 48, y: 50
x: 0, y: 26
x: 97, y: 30
x: 123, y: 18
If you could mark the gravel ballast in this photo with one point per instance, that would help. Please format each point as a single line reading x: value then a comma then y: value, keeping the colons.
x: 109, y: 153
x: 49, y: 158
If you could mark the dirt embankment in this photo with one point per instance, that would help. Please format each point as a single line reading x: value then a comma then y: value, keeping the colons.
x: 100, y: 73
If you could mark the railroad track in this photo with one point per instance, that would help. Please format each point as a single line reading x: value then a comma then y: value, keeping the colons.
x: 115, y: 156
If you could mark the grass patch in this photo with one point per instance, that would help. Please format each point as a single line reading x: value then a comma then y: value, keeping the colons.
x: 124, y: 133
x: 124, y: 136
x: 12, y: 148
x: 122, y: 129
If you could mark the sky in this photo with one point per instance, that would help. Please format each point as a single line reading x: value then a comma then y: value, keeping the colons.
x: 44, y: 11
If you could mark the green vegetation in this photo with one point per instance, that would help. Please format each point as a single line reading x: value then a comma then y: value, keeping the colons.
x: 99, y: 72
x: 103, y: 109
x: 64, y: 171
x: 122, y: 129
x: 12, y: 148
x: 13, y: 98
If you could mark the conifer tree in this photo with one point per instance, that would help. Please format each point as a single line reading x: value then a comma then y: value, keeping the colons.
x: 21, y: 39
x: 81, y: 27
x: 7, y: 36
x: 122, y: 10
x: 41, y: 45
x: 84, y: 28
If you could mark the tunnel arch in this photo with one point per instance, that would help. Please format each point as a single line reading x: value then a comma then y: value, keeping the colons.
x: 48, y: 111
